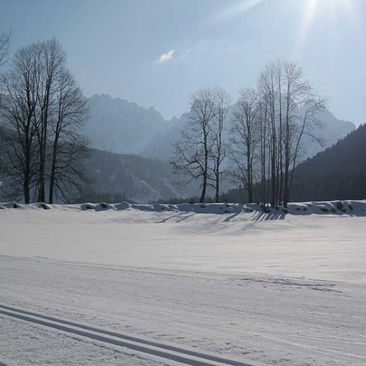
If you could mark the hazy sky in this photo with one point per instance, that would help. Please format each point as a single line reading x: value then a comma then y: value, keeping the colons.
x: 156, y: 52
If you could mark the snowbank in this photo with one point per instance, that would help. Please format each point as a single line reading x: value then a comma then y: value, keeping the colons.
x: 348, y: 207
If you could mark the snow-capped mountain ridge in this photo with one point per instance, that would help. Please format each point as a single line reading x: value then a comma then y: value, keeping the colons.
x: 118, y: 125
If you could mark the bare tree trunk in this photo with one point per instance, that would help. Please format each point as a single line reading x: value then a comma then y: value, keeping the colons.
x: 249, y: 171
x: 262, y: 151
x: 27, y: 172
x: 43, y: 141
x: 41, y: 180
x: 26, y: 189
x: 286, y: 196
x: 273, y: 165
x: 53, y: 171
x: 204, y: 181
x: 218, y: 149
x: 280, y: 137
x: 217, y: 189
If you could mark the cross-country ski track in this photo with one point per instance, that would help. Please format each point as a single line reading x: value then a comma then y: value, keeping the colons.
x: 165, y: 351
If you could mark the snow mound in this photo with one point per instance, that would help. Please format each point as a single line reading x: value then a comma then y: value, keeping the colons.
x: 87, y: 206
x: 347, y: 207
x: 43, y: 205
x: 12, y: 204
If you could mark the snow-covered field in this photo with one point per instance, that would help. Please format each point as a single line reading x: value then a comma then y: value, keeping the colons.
x: 186, y: 284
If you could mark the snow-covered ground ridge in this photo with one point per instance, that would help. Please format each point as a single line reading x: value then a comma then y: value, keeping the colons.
x: 340, y: 207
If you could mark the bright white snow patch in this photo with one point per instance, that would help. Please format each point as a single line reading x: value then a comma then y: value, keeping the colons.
x: 255, y: 285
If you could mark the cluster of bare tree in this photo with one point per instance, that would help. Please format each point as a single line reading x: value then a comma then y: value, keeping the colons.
x: 264, y: 132
x: 202, y: 150
x: 43, y: 110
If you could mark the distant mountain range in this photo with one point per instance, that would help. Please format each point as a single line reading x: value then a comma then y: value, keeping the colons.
x: 117, y: 125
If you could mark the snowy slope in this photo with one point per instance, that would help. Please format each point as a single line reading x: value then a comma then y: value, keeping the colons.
x: 221, y: 280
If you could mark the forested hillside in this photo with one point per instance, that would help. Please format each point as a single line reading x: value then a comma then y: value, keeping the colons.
x: 336, y: 173
x: 339, y: 172
x: 116, y: 177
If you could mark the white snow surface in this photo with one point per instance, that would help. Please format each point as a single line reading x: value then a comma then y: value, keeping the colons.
x: 264, y: 287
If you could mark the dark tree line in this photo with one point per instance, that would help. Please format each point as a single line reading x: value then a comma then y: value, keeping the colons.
x: 42, y: 112
x: 339, y: 172
x: 327, y: 176
x: 262, y: 144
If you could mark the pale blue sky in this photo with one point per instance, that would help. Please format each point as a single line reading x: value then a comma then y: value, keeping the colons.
x: 156, y: 52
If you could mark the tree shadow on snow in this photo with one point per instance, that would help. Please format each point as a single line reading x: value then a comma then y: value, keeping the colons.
x: 272, y: 215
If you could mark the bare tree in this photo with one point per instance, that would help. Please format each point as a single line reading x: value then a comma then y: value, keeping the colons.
x: 219, y: 147
x: 298, y: 96
x: 44, y: 110
x: 264, y: 148
x: 280, y: 133
x: 269, y: 92
x: 245, y: 138
x: 68, y: 146
x: 192, y: 151
x: 21, y: 86
x: 51, y: 63
x: 284, y: 93
x: 307, y: 125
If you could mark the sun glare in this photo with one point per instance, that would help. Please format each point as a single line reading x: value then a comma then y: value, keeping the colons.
x: 331, y: 9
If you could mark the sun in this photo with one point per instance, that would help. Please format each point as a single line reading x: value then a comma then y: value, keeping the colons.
x: 312, y: 4
x: 329, y: 6
x: 309, y: 13
x: 331, y: 9
x: 311, y: 7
